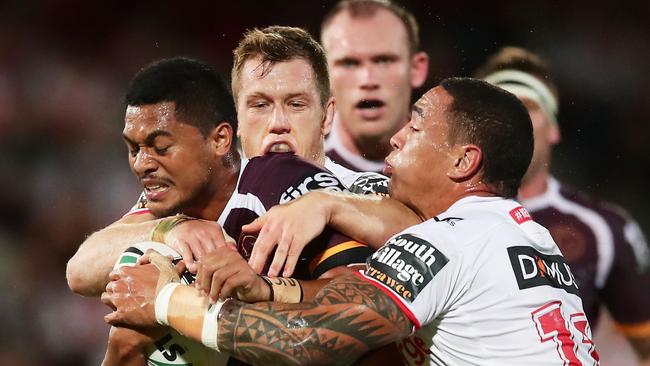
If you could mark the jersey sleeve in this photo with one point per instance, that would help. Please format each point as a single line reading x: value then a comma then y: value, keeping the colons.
x: 280, y: 178
x: 369, y: 183
x: 627, y: 289
x: 413, y: 269
x: 359, y: 182
x: 140, y: 206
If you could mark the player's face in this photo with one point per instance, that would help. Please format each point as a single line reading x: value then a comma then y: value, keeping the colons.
x: 421, y: 153
x: 173, y: 161
x: 371, y: 73
x: 546, y: 135
x: 281, y: 110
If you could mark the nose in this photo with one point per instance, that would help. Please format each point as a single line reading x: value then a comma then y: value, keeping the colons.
x: 144, y: 163
x: 368, y: 76
x: 279, y: 123
x: 397, y: 141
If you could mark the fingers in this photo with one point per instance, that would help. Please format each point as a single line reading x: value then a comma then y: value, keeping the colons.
x: 185, y: 252
x: 255, y: 226
x: 292, y: 261
x: 111, y: 318
x: 180, y: 267
x: 262, y: 248
x: 241, y: 282
x: 210, y: 264
x: 279, y: 258
x: 218, y: 279
x: 107, y: 299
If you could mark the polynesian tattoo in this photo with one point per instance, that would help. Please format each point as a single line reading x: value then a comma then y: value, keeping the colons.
x: 348, y: 318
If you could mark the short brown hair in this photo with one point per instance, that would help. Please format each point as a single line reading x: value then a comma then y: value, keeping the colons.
x: 517, y: 58
x: 368, y: 8
x: 280, y: 44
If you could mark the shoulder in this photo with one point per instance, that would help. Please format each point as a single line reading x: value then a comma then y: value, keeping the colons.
x: 359, y: 182
x: 278, y: 178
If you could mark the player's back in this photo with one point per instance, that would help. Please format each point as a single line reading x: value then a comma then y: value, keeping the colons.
x: 501, y: 293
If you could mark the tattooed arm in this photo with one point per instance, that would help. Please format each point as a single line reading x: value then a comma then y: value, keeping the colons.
x: 348, y: 317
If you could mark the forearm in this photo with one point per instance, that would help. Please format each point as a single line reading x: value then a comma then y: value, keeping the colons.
x: 347, y: 318
x: 368, y: 219
x: 126, y: 347
x: 87, y: 271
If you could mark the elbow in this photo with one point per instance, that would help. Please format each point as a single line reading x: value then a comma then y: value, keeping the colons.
x: 77, y: 282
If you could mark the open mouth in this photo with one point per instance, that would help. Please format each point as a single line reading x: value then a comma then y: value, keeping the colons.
x: 280, y: 147
x: 155, y: 188
x: 370, y: 104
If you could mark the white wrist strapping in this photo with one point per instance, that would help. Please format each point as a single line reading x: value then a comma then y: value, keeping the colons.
x: 161, y: 306
x: 210, y: 326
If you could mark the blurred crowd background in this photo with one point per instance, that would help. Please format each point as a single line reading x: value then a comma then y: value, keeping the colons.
x: 65, y: 64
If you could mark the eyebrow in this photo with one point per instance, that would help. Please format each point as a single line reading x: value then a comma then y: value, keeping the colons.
x: 258, y: 94
x: 149, y: 140
x: 417, y: 110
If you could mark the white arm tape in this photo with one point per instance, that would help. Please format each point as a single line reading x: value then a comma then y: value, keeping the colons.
x: 161, y: 306
x: 210, y: 326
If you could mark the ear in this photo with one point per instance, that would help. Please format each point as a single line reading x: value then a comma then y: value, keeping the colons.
x: 419, y: 69
x: 328, y: 117
x: 554, y: 136
x: 222, y: 138
x: 468, y: 160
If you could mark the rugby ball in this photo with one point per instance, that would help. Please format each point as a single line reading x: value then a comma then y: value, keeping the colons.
x: 172, y: 348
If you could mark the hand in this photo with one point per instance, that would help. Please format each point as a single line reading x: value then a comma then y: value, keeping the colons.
x: 226, y: 273
x: 132, y: 296
x: 193, y: 239
x: 127, y: 346
x: 288, y: 227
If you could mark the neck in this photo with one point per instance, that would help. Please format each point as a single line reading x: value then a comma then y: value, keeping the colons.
x: 221, y: 193
x: 448, y: 199
x: 371, y: 148
x: 534, y: 186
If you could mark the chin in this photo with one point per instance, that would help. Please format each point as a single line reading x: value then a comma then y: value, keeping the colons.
x: 163, y: 210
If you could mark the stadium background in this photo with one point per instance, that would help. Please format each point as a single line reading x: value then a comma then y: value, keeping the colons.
x: 64, y: 66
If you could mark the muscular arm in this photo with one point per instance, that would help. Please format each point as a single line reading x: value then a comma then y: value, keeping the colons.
x: 366, y: 218
x: 348, y: 318
x: 87, y: 271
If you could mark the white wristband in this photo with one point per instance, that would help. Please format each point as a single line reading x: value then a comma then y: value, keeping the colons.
x: 210, y: 325
x: 161, y: 306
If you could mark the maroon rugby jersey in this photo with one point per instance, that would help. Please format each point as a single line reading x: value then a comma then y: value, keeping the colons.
x: 606, y: 251
x: 273, y: 179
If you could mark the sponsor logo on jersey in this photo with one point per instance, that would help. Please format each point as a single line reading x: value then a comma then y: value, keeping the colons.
x: 533, y: 269
x: 406, y: 264
x: 370, y: 183
x: 320, y: 180
x: 520, y: 215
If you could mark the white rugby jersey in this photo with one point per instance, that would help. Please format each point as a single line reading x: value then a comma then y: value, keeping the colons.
x: 483, y: 284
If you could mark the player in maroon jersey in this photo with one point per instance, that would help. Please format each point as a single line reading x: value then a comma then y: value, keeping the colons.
x: 375, y: 62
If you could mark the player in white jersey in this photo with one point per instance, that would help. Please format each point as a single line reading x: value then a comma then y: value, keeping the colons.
x: 505, y: 297
x: 477, y: 283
